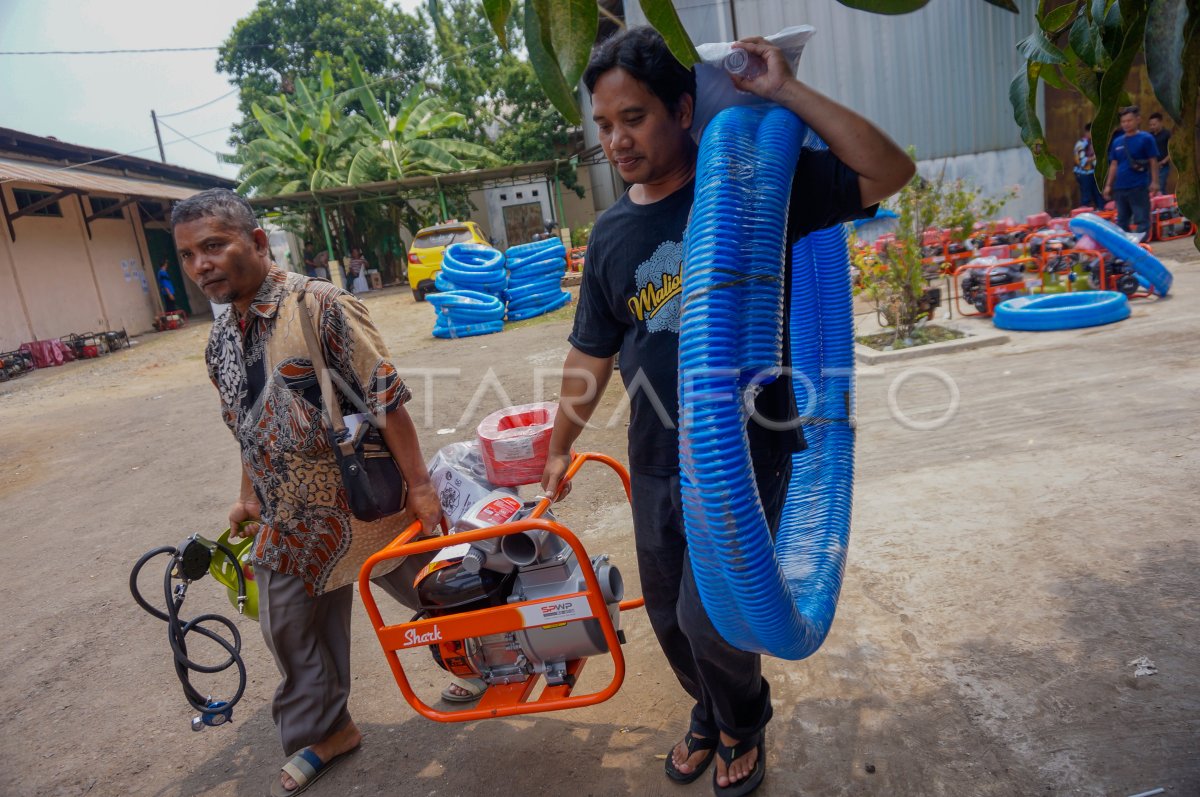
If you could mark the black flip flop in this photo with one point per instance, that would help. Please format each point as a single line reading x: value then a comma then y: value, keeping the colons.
x: 731, y: 754
x: 693, y: 743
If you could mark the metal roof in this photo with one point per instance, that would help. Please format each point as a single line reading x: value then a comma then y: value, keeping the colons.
x: 394, y: 188
x: 89, y: 181
x: 45, y: 149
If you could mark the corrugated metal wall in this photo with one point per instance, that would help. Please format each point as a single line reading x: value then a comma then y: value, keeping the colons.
x: 936, y: 79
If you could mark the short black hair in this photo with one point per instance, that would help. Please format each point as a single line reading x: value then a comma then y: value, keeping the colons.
x: 1156, y: 115
x: 1130, y: 109
x: 222, y: 203
x: 643, y: 53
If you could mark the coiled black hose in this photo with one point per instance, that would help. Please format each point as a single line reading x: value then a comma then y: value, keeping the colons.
x: 212, y: 711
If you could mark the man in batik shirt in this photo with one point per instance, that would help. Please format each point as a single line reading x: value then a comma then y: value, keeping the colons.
x: 308, y: 546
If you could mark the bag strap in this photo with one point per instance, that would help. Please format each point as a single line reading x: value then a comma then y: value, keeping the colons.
x: 328, y: 396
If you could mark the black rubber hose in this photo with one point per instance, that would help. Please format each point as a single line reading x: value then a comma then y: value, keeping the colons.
x: 178, y: 630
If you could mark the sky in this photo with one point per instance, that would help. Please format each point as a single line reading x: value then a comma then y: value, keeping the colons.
x: 104, y: 101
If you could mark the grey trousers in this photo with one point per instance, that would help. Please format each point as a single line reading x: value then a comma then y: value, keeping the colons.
x: 310, y: 641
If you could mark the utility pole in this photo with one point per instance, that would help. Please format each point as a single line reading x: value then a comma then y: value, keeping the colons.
x: 161, y: 154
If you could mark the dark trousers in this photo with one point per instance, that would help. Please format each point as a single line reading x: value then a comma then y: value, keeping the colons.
x: 727, y: 684
x: 1133, y: 202
x: 1089, y: 192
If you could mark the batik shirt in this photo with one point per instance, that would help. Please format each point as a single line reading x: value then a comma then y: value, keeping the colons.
x: 271, y: 401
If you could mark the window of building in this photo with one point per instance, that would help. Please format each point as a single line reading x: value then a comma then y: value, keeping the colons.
x: 26, y: 198
x: 101, y: 205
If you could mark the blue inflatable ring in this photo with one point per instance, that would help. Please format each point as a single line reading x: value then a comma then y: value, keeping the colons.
x: 1148, y: 267
x: 1061, y: 311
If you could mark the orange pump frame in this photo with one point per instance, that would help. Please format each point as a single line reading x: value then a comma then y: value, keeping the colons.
x: 502, y: 700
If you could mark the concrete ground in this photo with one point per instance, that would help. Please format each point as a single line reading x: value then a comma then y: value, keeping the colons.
x: 1006, y: 568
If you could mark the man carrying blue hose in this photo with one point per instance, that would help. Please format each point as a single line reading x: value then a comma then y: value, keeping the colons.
x: 630, y: 304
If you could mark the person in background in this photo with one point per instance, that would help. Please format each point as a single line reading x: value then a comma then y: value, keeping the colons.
x: 1132, y: 172
x: 166, y: 288
x: 316, y: 264
x: 1085, y: 171
x: 356, y: 272
x: 1161, y: 136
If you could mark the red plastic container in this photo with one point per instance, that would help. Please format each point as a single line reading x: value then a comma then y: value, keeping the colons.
x: 515, y: 442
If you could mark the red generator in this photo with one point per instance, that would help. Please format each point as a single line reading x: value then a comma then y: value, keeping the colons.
x: 1166, y: 222
x: 172, y: 319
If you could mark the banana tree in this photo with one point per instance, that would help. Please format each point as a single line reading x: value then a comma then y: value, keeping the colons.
x: 306, y: 142
x: 416, y: 141
x: 1087, y: 46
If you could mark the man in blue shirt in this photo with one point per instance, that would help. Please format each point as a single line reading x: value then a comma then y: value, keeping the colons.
x: 166, y: 288
x: 1085, y: 171
x: 1132, y: 172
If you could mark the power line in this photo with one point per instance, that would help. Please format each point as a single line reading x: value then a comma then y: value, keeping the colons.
x: 114, y: 52
x: 338, y: 95
x: 186, y: 136
x: 234, y: 90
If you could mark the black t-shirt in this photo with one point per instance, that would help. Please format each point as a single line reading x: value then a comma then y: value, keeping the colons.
x: 1161, y: 138
x: 630, y: 302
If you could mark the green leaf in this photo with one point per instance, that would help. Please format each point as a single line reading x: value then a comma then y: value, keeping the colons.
x: 1052, y: 77
x: 365, y: 166
x: 661, y: 14
x: 497, y: 12
x: 363, y: 93
x: 1022, y: 93
x: 887, y: 6
x: 1082, y: 78
x: 1107, y: 15
x: 410, y: 101
x: 1084, y: 39
x: 545, y: 65
x: 1056, y: 21
x: 1112, y: 88
x: 465, y: 150
x: 1037, y: 48
x: 436, y: 155
x: 1165, y: 25
x: 573, y: 25
x: 1007, y: 5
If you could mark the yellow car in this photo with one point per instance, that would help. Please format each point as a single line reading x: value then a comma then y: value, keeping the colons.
x: 425, y: 254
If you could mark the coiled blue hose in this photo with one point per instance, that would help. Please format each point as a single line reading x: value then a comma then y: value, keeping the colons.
x: 769, y: 596
x: 473, y: 267
x: 462, y: 314
x: 535, y: 272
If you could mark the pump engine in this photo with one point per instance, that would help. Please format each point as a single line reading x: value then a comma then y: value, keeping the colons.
x: 976, y: 282
x: 532, y: 565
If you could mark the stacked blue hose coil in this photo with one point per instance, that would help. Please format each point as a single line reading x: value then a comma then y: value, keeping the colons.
x: 463, y: 314
x: 768, y: 596
x: 535, y: 273
x: 470, y: 285
x: 472, y: 267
